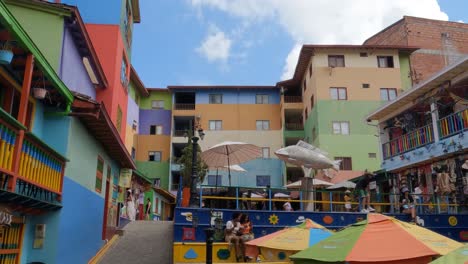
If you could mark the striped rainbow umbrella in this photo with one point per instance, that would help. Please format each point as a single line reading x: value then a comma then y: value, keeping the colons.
x: 382, y: 239
x: 281, y: 244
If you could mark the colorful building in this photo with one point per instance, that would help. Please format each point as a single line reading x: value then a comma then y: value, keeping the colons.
x: 423, y: 140
x: 441, y: 43
x: 331, y: 92
x: 249, y: 114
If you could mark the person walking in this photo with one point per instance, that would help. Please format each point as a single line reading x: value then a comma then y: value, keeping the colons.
x: 148, y: 208
x: 364, y: 193
x: 131, y: 210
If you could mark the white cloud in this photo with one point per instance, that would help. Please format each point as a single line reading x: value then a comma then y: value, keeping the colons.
x: 216, y: 46
x: 324, y: 21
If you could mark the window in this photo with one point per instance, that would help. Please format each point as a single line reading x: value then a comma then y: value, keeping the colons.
x: 311, y: 102
x: 305, y: 84
x: 310, y: 70
x: 99, y: 174
x: 346, y: 163
x: 157, y: 104
x: 215, y: 180
x: 216, y: 98
x: 263, y: 125
x: 154, y: 156
x: 365, y: 85
x: 388, y: 94
x: 372, y: 155
x: 385, y: 61
x: 123, y: 73
x: 340, y: 128
x: 133, y: 153
x: 263, y: 180
x: 306, y: 114
x: 261, y: 99
x: 363, y: 54
x: 119, y: 119
x: 336, y: 61
x: 338, y: 93
x: 156, y: 130
x: 216, y: 125
x: 265, y: 153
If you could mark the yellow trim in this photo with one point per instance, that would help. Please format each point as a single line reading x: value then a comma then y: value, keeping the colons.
x: 103, y: 250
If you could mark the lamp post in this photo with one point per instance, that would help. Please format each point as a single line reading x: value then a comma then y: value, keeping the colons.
x: 209, y: 245
x: 193, y: 183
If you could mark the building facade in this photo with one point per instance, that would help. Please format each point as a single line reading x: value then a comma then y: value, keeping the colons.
x: 423, y: 139
x: 332, y: 90
x: 441, y: 43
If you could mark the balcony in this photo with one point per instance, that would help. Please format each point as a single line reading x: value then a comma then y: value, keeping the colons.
x: 453, y: 124
x: 185, y: 107
x: 294, y: 126
x: 410, y: 141
x: 35, y: 171
x: 292, y: 99
x: 447, y: 127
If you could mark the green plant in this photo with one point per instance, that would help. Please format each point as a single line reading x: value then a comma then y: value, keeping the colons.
x: 186, y: 163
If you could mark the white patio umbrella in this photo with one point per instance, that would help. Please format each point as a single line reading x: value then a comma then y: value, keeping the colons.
x: 343, y: 184
x: 230, y: 153
x: 316, y: 182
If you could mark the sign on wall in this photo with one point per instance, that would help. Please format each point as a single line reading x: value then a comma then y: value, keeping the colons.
x: 125, y: 179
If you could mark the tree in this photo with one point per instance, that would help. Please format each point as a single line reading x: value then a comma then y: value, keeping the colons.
x: 186, y: 163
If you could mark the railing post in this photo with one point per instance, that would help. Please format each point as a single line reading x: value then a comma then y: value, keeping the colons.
x: 237, y: 198
x: 23, y: 109
x: 300, y: 199
x: 269, y: 199
x: 435, y: 121
x: 201, y: 196
x: 331, y: 201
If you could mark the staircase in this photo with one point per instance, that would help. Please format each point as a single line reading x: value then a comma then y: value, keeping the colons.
x: 142, y: 242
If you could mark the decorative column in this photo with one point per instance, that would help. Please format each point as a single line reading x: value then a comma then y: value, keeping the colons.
x: 435, y: 120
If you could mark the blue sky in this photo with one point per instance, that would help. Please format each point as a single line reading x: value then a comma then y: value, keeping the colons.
x: 256, y: 42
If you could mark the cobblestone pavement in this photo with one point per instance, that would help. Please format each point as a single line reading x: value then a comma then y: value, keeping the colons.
x: 142, y: 242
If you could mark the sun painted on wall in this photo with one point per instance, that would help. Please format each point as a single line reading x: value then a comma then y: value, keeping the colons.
x: 273, y: 219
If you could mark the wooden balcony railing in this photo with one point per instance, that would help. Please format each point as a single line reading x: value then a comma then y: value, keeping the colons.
x: 41, y: 165
x: 38, y: 164
x: 294, y: 126
x: 184, y: 106
x: 453, y: 124
x: 292, y: 99
x: 414, y: 139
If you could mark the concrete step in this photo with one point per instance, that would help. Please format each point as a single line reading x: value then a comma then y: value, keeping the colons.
x: 142, y: 242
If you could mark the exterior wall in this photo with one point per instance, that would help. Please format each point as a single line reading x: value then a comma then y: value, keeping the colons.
x: 166, y: 96
x: 155, y: 117
x: 123, y: 14
x: 405, y: 71
x: 241, y: 96
x: 107, y: 41
x: 441, y: 43
x: 132, y: 116
x: 147, y: 143
x: 100, y: 12
x: 72, y: 70
x: 154, y: 170
x: 44, y: 28
x: 360, y: 101
x: 236, y: 117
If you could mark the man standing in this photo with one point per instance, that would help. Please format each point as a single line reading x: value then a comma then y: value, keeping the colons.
x: 364, y: 193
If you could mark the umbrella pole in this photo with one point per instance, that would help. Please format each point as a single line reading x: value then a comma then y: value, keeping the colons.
x: 216, y: 185
x: 229, y: 166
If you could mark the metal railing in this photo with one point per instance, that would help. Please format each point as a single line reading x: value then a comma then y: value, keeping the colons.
x: 293, y: 99
x: 294, y: 126
x: 180, y: 133
x: 414, y: 139
x: 453, y: 124
x: 178, y: 106
x: 324, y: 200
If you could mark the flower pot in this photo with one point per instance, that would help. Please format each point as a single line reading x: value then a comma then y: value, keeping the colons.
x: 6, y: 56
x: 39, y: 93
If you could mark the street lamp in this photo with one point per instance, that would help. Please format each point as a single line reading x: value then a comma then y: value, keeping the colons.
x: 193, y: 183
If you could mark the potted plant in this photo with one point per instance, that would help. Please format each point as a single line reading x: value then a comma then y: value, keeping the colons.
x: 38, y: 91
x: 6, y: 53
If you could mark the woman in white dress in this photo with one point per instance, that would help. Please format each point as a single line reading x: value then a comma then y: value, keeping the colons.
x: 131, y: 211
